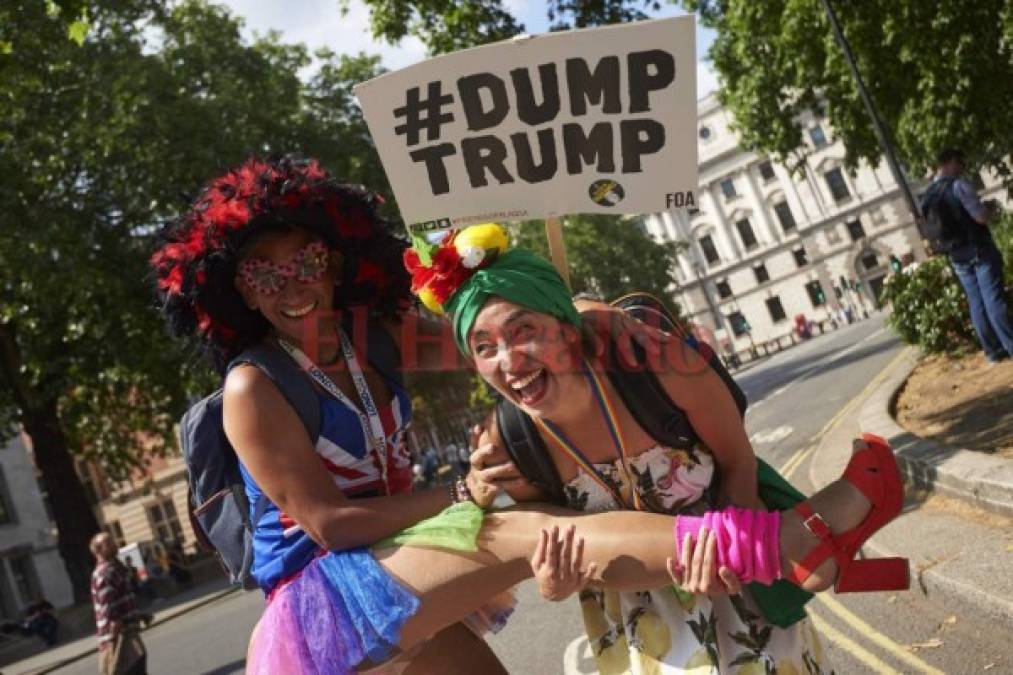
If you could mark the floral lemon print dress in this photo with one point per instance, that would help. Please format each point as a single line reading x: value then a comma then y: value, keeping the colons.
x: 667, y: 631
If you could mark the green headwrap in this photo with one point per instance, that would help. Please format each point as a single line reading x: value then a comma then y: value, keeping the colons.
x: 520, y: 276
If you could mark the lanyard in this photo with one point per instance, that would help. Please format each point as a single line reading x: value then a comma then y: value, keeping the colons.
x: 612, y: 421
x: 372, y: 425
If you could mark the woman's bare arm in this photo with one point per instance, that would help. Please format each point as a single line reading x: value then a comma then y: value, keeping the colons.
x: 696, y: 388
x: 273, y: 444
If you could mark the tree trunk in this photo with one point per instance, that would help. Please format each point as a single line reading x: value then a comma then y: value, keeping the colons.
x: 75, y: 519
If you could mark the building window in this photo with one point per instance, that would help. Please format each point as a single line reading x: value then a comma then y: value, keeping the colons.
x: 855, y: 229
x: 819, y: 138
x: 710, y: 252
x: 738, y: 323
x: 776, y: 309
x: 164, y: 522
x: 785, y: 216
x: 705, y: 133
x: 746, y: 233
x: 835, y: 181
x: 766, y: 171
x: 801, y: 259
x: 761, y: 273
x: 6, y: 507
x: 728, y: 188
x: 724, y: 289
x: 23, y: 575
x: 870, y: 261
x: 117, y: 532
x: 816, y: 295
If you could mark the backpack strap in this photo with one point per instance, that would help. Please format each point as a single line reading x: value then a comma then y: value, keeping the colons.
x: 527, y: 450
x: 290, y: 379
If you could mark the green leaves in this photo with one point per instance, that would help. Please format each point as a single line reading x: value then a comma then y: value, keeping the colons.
x: 940, y: 73
x: 101, y: 136
x: 930, y: 307
x: 608, y: 255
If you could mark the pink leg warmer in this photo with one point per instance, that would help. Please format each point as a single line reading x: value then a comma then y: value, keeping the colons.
x: 748, y: 541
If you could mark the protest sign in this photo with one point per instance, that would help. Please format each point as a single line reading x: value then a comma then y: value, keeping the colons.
x: 601, y: 120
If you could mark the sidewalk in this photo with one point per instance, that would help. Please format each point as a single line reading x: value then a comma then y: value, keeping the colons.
x: 983, y: 480
x: 960, y: 555
x: 67, y: 653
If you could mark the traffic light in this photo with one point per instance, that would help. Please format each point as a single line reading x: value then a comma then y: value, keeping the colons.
x: 820, y: 298
x: 894, y: 263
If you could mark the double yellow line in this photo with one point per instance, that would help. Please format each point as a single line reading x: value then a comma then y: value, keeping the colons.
x: 866, y: 657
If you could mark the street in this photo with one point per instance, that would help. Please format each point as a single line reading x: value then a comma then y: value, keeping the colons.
x: 794, y: 396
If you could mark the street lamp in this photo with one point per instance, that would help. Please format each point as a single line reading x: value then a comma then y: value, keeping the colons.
x: 877, y: 124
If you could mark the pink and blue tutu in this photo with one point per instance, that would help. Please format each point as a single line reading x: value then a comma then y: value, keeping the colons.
x: 343, y: 609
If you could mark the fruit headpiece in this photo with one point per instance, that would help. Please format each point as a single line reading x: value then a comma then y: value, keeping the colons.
x: 458, y: 275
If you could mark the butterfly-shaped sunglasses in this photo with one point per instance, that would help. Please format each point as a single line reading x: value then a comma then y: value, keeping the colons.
x: 267, y: 277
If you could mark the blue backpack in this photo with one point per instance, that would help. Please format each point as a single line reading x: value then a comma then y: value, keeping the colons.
x: 219, y: 510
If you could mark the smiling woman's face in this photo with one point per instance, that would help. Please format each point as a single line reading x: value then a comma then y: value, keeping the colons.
x: 533, y: 359
x: 289, y: 277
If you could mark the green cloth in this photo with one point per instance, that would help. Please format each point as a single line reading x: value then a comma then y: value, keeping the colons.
x: 782, y: 603
x: 454, y: 528
x: 520, y: 276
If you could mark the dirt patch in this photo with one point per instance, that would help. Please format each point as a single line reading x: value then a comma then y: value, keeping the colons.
x: 960, y: 402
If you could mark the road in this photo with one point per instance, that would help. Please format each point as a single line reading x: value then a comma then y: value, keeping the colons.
x: 793, y: 395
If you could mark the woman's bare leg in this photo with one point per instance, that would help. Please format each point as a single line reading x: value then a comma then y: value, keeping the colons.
x: 455, y: 651
x: 630, y: 548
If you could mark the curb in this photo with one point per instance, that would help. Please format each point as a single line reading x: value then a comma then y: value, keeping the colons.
x: 931, y: 582
x: 977, y: 478
x: 92, y: 650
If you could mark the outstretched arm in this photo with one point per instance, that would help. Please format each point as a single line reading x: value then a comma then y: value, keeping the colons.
x: 273, y: 444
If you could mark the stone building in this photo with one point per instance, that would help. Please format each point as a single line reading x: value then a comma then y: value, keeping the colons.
x: 30, y: 565
x: 767, y: 245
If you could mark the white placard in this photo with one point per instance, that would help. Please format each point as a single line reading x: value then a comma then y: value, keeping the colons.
x: 601, y: 120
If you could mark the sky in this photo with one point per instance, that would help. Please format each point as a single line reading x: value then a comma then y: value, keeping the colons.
x: 319, y: 23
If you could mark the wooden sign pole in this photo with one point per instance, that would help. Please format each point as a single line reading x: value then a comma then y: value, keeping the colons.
x: 557, y: 250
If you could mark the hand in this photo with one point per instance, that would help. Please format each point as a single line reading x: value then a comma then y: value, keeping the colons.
x: 558, y: 565
x: 698, y: 571
x: 611, y: 323
x: 491, y: 464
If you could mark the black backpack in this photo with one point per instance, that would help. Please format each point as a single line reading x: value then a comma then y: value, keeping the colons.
x: 782, y: 604
x: 947, y: 225
x: 219, y: 510
x: 638, y: 387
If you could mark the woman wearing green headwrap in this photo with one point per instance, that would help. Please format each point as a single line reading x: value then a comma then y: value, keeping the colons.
x: 514, y: 317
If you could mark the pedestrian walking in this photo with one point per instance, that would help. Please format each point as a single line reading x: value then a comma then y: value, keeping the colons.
x: 121, y: 651
x: 956, y: 224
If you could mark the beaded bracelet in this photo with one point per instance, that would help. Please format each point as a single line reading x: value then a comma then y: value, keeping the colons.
x: 459, y: 492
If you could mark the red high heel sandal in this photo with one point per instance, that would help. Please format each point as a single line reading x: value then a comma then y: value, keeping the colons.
x: 873, y: 470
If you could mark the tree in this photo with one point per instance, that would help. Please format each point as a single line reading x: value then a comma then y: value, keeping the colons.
x: 941, y: 74
x: 99, y: 138
x: 609, y: 256
x: 442, y: 25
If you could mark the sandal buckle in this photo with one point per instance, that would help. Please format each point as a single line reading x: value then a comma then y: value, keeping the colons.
x: 817, y: 526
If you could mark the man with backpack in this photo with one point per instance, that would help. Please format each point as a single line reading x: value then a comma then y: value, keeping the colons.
x: 956, y: 223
